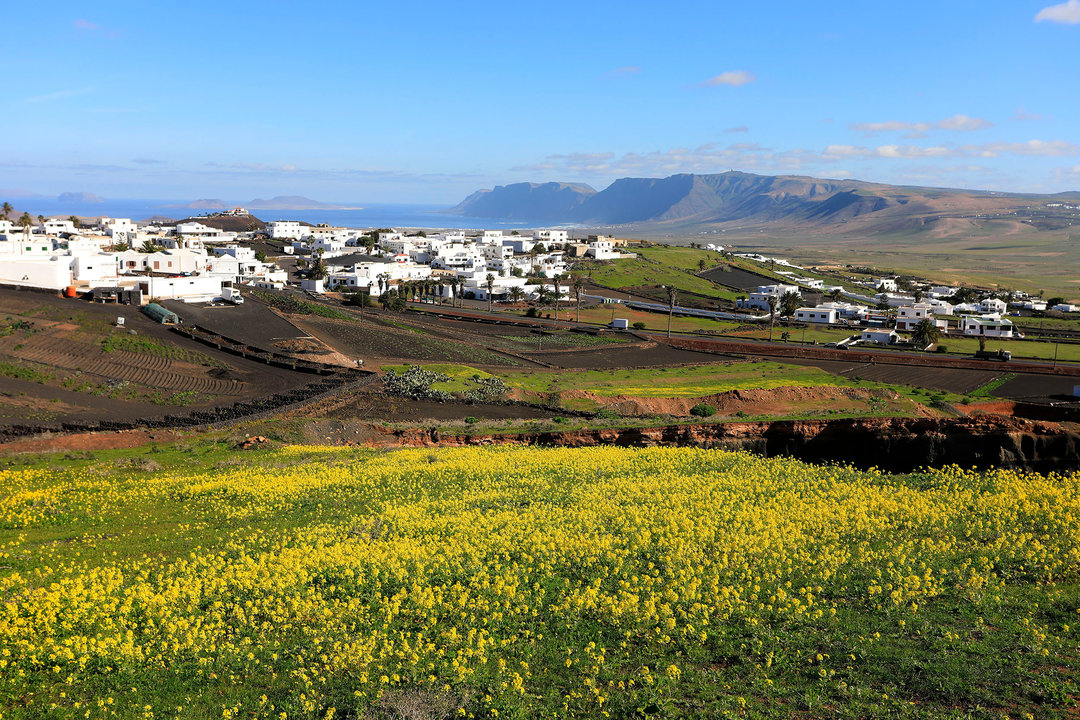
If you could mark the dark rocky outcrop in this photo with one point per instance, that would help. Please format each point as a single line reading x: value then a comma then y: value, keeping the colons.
x: 892, y: 444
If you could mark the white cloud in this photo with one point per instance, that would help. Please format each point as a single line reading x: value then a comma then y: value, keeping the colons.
x: 1067, y: 13
x: 733, y: 78
x: 891, y: 126
x: 738, y: 129
x: 708, y: 158
x: 960, y: 123
x: 964, y: 123
x: 1045, y: 148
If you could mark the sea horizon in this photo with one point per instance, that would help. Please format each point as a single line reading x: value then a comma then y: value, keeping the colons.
x: 359, y: 215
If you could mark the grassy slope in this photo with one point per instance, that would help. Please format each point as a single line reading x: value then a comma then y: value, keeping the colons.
x: 331, y: 583
x: 679, y: 382
x: 660, y: 265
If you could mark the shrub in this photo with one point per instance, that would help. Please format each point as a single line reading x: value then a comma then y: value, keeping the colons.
x: 415, y: 383
x: 470, y: 420
x: 638, y: 325
x: 702, y: 410
x: 942, y: 348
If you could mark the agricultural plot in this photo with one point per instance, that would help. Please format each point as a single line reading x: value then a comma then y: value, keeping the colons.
x: 309, y: 582
x: 367, y: 340
x: 735, y: 277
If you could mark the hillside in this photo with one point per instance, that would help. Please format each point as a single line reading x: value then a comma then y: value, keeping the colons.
x: 786, y: 202
x: 227, y: 223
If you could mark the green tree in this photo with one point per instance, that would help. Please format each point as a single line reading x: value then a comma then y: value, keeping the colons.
x: 925, y: 333
x: 74, y: 221
x: 7, y: 210
x: 489, y: 280
x: 26, y: 222
x: 789, y: 303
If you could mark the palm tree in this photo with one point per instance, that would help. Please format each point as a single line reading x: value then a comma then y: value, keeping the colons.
x: 7, y: 209
x: 835, y: 294
x: 579, y: 285
x: 671, y: 295
x: 74, y: 221
x: 925, y: 333
x: 541, y: 296
x: 516, y: 293
x: 490, y: 281
x: 26, y: 222
x: 789, y: 302
x: 460, y: 291
x: 772, y: 313
x: 556, y: 280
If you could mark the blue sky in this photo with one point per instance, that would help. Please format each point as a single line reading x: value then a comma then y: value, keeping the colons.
x: 426, y: 102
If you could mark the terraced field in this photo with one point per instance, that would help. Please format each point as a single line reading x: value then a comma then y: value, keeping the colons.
x: 143, y: 369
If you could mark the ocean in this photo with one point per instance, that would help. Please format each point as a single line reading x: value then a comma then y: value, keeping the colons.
x: 369, y: 216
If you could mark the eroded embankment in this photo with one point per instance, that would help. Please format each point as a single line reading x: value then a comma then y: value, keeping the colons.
x: 893, y: 444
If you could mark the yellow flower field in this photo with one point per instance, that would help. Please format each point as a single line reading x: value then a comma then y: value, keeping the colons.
x: 329, y: 582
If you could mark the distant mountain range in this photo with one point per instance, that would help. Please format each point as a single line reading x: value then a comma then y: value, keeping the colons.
x: 280, y: 202
x: 738, y: 199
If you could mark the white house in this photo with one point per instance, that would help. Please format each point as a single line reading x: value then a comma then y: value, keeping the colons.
x: 816, y: 315
x: 55, y: 226
x: 908, y: 316
x: 51, y: 272
x: 988, y: 326
x: 1065, y: 307
x: 760, y: 300
x: 992, y: 305
x: 559, y: 237
x: 119, y: 226
x: 602, y: 249
x: 186, y: 289
x: 286, y: 229
x: 886, y: 284
x: 880, y: 336
x: 240, y: 252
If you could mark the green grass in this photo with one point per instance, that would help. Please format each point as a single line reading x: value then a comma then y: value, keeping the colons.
x: 987, y: 390
x: 22, y: 371
x: 688, y: 382
x: 658, y: 265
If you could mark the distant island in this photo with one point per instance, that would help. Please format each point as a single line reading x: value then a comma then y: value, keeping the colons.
x: 279, y: 202
x: 79, y: 197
